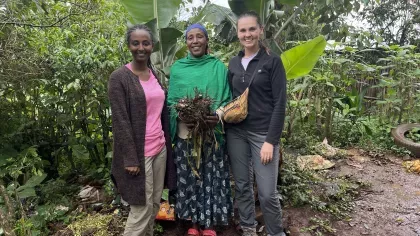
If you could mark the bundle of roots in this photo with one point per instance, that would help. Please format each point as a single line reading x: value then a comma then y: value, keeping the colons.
x: 193, y: 110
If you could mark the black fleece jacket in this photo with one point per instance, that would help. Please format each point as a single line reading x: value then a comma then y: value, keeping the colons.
x: 267, y: 93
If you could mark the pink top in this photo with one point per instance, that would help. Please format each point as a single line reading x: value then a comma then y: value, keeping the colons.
x: 155, y: 98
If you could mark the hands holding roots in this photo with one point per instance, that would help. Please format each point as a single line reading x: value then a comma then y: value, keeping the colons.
x: 196, y: 114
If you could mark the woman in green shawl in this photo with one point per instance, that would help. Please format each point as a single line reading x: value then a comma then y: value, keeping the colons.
x: 203, y: 194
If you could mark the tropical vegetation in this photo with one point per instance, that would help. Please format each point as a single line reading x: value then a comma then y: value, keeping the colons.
x: 352, y: 68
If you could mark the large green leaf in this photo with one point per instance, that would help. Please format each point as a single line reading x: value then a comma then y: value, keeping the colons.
x: 289, y: 2
x: 215, y: 14
x: 32, y: 182
x: 181, y: 51
x: 169, y: 37
x: 80, y: 151
x: 300, y: 60
x: 153, y: 27
x: 262, y: 7
x: 28, y: 189
x: 166, y: 44
x: 273, y: 45
x: 225, y: 19
x: 27, y: 192
x: 222, y: 18
x: 142, y: 11
x: 157, y: 14
x: 6, y: 153
x: 167, y: 47
x: 241, y: 6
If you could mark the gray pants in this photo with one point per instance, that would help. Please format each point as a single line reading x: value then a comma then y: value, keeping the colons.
x: 244, y: 148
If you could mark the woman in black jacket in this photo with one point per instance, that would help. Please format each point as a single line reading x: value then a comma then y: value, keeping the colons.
x: 254, y: 142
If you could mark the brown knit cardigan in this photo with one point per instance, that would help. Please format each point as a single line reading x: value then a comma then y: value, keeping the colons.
x: 128, y: 106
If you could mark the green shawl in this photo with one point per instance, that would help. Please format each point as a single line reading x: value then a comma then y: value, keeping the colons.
x: 208, y: 74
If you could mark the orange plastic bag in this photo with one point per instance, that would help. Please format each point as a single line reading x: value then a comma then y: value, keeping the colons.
x: 166, y: 212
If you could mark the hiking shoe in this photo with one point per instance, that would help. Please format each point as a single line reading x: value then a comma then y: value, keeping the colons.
x: 249, y: 231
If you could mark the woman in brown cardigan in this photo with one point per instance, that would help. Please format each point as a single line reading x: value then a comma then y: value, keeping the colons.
x: 140, y: 125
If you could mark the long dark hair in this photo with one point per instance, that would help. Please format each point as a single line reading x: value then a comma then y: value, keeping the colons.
x: 141, y: 27
x: 258, y: 19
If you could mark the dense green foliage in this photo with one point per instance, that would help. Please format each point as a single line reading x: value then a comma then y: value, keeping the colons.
x: 56, y: 57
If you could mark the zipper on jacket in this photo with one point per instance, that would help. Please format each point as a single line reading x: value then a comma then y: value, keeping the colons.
x: 243, y: 69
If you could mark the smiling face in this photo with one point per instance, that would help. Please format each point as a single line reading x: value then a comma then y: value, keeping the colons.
x: 196, y: 42
x: 249, y: 32
x: 140, y: 45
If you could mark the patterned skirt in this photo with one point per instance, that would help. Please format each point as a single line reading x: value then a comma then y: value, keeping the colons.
x: 206, y: 200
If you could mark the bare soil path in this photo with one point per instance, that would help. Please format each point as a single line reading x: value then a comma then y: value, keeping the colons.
x: 390, y: 206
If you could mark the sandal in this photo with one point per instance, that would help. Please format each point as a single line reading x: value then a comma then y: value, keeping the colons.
x: 193, y: 232
x: 209, y: 232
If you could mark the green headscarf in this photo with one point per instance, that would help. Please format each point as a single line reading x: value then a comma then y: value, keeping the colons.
x: 208, y: 74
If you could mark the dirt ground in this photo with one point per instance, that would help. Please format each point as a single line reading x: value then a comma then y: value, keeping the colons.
x: 390, y: 206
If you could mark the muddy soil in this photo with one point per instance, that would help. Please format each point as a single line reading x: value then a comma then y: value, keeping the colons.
x: 390, y: 206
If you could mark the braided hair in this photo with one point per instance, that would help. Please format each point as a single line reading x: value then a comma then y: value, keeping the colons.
x: 258, y: 19
x: 147, y: 29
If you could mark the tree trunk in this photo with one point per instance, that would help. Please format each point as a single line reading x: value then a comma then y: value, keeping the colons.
x: 293, y: 114
x: 105, y: 132
x: 6, y: 217
x: 318, y: 116
x: 69, y: 152
x: 404, y: 34
x: 328, y: 119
